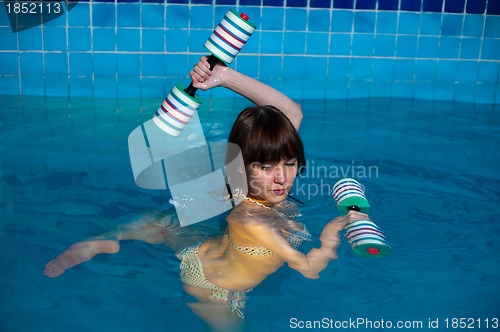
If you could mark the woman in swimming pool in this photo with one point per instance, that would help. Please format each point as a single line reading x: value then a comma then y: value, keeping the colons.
x: 261, y: 234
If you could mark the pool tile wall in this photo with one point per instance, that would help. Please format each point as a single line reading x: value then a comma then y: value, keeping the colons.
x: 430, y: 49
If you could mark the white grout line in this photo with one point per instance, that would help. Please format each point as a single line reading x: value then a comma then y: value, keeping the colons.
x: 68, y: 61
x: 91, y: 27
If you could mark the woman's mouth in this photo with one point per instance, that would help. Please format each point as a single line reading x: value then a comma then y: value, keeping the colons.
x: 279, y: 192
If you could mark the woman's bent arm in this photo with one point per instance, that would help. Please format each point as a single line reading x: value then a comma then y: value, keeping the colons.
x: 262, y: 94
x: 317, y: 259
x: 257, y: 92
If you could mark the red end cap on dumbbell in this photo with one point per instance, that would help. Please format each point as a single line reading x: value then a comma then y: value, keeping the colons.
x: 244, y: 16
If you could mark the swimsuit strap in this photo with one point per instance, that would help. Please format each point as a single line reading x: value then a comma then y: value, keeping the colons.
x: 260, y: 203
x: 252, y: 251
x: 286, y: 209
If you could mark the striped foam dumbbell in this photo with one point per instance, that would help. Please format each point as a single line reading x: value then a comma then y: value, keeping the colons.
x: 365, y: 237
x: 226, y: 41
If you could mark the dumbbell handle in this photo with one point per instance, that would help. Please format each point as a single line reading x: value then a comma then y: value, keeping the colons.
x: 212, y: 61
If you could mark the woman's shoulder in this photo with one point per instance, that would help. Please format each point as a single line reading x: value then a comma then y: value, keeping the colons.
x: 250, y: 215
x: 245, y: 221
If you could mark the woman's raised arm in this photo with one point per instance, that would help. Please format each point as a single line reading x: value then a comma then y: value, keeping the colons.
x: 257, y: 92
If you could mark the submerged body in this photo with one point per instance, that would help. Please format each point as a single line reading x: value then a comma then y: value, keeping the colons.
x: 236, y: 260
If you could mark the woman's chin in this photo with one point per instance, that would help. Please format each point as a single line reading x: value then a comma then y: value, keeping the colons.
x: 277, y: 199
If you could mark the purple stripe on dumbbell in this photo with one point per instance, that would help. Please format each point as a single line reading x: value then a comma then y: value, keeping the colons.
x: 347, y: 190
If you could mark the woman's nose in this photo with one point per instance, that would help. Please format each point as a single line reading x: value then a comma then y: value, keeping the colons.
x: 280, y: 176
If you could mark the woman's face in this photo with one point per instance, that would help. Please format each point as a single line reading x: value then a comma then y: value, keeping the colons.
x: 271, y: 181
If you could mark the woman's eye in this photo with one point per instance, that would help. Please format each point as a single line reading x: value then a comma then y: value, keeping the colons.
x: 290, y: 164
x: 266, y: 168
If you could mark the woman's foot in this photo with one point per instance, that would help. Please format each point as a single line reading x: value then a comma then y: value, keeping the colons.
x: 78, y: 253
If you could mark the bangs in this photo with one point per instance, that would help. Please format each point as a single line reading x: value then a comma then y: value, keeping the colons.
x: 273, y: 144
x: 265, y: 135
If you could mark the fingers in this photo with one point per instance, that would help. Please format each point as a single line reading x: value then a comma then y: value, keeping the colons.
x: 199, y: 80
x: 357, y: 215
x: 201, y: 71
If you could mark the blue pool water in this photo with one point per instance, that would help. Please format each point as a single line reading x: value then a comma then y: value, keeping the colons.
x: 433, y: 186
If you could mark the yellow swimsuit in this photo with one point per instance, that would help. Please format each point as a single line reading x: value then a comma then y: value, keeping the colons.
x: 295, y: 241
x: 192, y: 270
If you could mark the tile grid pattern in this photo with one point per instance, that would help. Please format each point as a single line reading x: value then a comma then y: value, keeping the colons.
x: 142, y: 49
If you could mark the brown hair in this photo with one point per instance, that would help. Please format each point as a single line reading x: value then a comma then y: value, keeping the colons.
x: 266, y: 135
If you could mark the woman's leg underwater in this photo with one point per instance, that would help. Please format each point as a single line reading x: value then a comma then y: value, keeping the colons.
x: 153, y: 227
x: 148, y: 228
